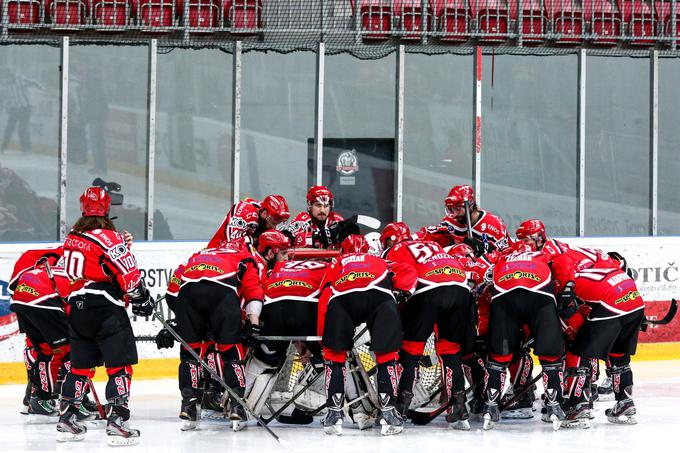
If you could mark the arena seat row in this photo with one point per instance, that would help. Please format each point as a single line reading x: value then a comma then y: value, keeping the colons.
x: 599, y: 22
x: 118, y: 15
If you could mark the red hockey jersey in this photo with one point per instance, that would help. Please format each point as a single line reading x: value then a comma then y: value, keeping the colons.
x: 35, y: 288
x: 242, y: 220
x: 308, y: 234
x: 232, y: 265
x: 522, y: 270
x: 434, y: 266
x: 489, y: 227
x: 100, y: 263
x: 29, y: 259
x: 295, y: 280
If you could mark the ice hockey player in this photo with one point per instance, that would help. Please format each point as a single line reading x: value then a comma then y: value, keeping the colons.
x: 488, y: 230
x: 209, y: 302
x: 524, y: 296
x: 602, y: 312
x: 250, y: 218
x: 321, y: 226
x: 442, y: 297
x: 290, y: 309
x: 359, y: 288
x: 105, y: 279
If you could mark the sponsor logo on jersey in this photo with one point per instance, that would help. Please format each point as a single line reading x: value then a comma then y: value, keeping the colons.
x: 205, y: 267
x: 348, y: 163
x: 175, y: 280
x: 288, y: 283
x: 446, y: 270
x: 117, y: 251
x: 519, y: 275
x: 352, y: 276
x: 627, y: 297
x: 24, y: 288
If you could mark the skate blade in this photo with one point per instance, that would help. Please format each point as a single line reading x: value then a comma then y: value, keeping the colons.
x: 461, y: 425
x: 24, y: 410
x: 606, y: 397
x: 390, y: 430
x: 69, y: 437
x: 334, y: 430
x: 37, y: 419
x: 238, y: 425
x: 120, y: 441
x: 94, y: 424
x: 488, y: 423
x: 556, y: 422
x: 188, y: 425
x: 516, y: 414
x: 623, y: 420
x: 576, y: 424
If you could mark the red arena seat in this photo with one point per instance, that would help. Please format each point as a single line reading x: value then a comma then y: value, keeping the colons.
x: 155, y: 15
x: 566, y: 17
x: 453, y: 20
x: 533, y: 22
x: 22, y: 12
x: 67, y: 13
x: 243, y: 16
x: 203, y: 15
x: 604, y: 18
x: 412, y: 18
x: 375, y: 17
x: 111, y: 14
x: 492, y: 19
x: 638, y: 18
x: 662, y: 12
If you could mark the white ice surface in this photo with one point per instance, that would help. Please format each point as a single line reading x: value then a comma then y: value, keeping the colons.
x: 155, y: 405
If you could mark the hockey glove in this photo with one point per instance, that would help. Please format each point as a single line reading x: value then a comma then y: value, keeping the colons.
x: 251, y: 332
x: 142, y: 303
x: 571, y: 325
x: 477, y: 245
x: 341, y: 230
x: 164, y: 338
x: 566, y: 297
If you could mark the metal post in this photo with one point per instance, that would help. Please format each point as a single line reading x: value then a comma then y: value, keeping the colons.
x: 236, y: 122
x: 63, y: 135
x: 318, y: 112
x: 399, y: 131
x: 654, y: 140
x: 581, y: 152
x: 477, y: 124
x: 151, y: 139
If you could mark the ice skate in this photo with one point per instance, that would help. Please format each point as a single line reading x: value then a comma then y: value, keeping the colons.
x: 491, y: 415
x: 458, y: 417
x: 623, y: 413
x: 390, y: 421
x: 41, y: 411
x: 332, y: 423
x: 523, y: 408
x: 118, y: 433
x: 68, y: 428
x: 188, y: 415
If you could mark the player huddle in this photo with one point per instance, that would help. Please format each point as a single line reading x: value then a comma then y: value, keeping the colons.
x: 264, y: 279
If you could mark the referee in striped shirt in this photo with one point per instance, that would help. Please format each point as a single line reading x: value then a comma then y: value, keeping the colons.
x: 14, y: 98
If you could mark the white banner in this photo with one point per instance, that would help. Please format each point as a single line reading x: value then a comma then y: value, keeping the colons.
x: 655, y: 261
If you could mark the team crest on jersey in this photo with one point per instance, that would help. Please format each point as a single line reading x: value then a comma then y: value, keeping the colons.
x: 24, y: 288
x: 348, y: 163
x: 352, y: 276
x: 627, y: 297
x: 519, y: 275
x: 446, y: 270
x: 205, y: 267
x: 288, y: 283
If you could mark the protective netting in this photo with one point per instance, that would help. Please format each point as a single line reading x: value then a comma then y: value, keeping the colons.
x: 364, y: 28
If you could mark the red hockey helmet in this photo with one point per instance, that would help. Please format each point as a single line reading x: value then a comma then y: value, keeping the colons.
x: 273, y: 239
x: 396, y: 231
x: 277, y: 207
x: 462, y: 249
x: 95, y: 202
x: 320, y: 194
x: 354, y: 243
x: 459, y: 195
x: 530, y: 227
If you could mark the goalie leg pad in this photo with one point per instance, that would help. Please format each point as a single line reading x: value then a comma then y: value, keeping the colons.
x: 261, y: 379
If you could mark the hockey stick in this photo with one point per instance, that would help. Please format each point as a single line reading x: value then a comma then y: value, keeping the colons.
x: 292, y: 400
x: 668, y: 317
x: 468, y: 219
x: 367, y: 221
x: 259, y: 338
x: 214, y: 375
x: 423, y: 418
x: 100, y: 408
